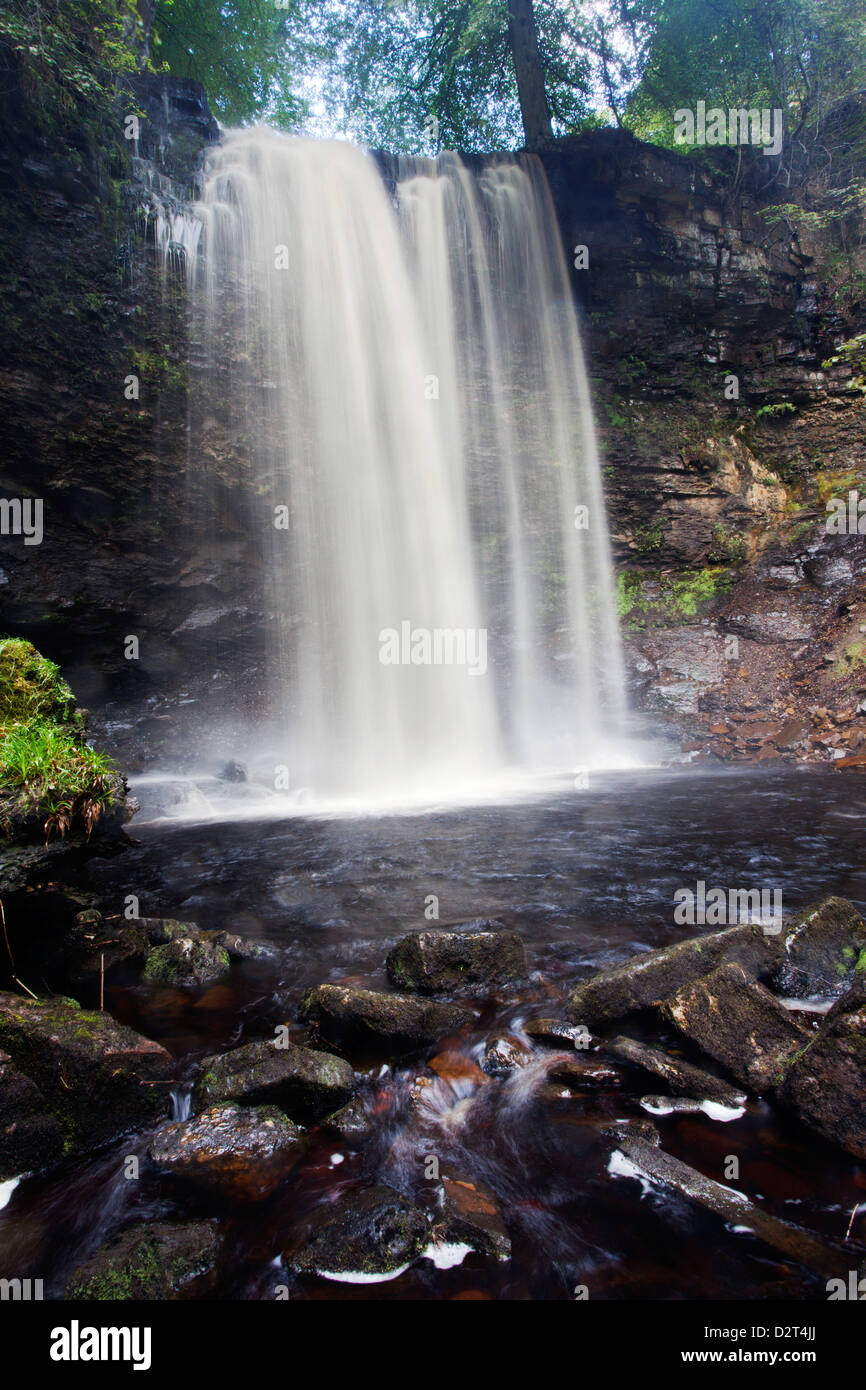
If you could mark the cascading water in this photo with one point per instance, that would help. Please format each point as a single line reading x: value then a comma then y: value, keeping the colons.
x: 404, y: 377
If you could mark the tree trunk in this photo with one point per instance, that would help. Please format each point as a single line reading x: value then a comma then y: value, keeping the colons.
x: 530, y: 77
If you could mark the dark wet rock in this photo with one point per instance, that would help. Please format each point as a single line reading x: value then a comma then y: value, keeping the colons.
x: 352, y: 1122
x: 740, y: 1024
x: 152, y: 1260
x: 673, y: 1105
x: 186, y: 962
x: 99, y: 1078
x: 823, y: 946
x: 242, y: 1152
x: 455, y: 960
x: 242, y: 947
x: 504, y: 1054
x: 344, y: 1015
x: 583, y: 1073
x: 163, y: 930
x: 640, y: 1157
x: 825, y: 1082
x: 304, y: 1083
x: 30, y: 1138
x: 556, y: 1031
x: 681, y: 1077
x: 93, y: 945
x: 651, y: 977
x: 470, y: 1215
x: 233, y: 771
x: 373, y: 1232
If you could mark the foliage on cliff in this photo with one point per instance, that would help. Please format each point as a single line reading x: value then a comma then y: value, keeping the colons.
x: 64, y: 58
x: 46, y: 768
x: 238, y: 50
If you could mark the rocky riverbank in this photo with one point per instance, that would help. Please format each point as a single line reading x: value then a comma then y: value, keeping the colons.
x: 386, y: 1078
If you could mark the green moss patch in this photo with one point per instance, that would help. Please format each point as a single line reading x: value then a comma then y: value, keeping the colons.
x: 47, y: 770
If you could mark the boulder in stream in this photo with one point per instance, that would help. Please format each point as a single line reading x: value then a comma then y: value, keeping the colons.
x: 456, y: 960
x: 365, y: 1237
x: 151, y: 1260
x: 740, y: 1024
x: 825, y: 1083
x: 638, y: 1155
x: 681, y: 1077
x: 470, y: 1215
x: 99, y: 1078
x: 30, y: 1137
x: 241, y: 1152
x: 346, y: 1016
x: 647, y: 979
x: 823, y: 949
x: 304, y: 1083
x: 186, y: 962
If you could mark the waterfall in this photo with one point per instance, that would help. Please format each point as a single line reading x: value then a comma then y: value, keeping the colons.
x: 400, y: 368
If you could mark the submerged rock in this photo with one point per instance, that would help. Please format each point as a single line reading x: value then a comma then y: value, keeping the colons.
x: 824, y: 947
x: 152, y: 1260
x: 825, y: 1083
x: 241, y: 947
x: 30, y: 1138
x: 681, y: 1077
x: 304, y: 1083
x: 471, y: 1215
x: 741, y: 1024
x: 457, y: 959
x: 583, y: 1073
x: 344, y: 1015
x: 186, y: 962
x: 504, y: 1054
x: 638, y: 1155
x: 98, y: 1077
x: 241, y: 1152
x: 368, y: 1234
x: 651, y: 977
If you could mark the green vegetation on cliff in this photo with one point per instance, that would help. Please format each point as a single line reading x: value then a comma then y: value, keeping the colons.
x: 46, y: 768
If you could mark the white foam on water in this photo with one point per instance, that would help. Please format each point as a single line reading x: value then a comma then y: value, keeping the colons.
x: 446, y: 1256
x: 357, y: 1276
x: 6, y: 1190
x: 724, y: 1113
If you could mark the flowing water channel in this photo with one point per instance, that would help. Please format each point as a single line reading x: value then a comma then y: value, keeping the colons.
x: 587, y: 878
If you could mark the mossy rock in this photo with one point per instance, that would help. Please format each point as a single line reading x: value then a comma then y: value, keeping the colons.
x: 186, y: 962
x: 98, y: 1077
x: 304, y: 1083
x: 160, y: 1260
x: 371, y: 1233
x: 31, y: 686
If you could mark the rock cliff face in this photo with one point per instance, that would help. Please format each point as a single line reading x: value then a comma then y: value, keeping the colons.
x: 731, y: 411
x: 708, y: 319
